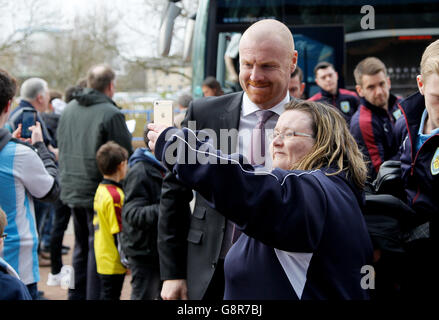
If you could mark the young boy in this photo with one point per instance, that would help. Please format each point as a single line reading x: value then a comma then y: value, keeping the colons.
x: 112, y: 163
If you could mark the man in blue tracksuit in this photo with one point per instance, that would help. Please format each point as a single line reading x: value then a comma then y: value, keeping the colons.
x: 419, y: 154
x: 372, y: 124
x: 345, y: 101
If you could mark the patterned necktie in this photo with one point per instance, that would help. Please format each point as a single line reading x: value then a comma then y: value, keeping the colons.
x: 257, y: 147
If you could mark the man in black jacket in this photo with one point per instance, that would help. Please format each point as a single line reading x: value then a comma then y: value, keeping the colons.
x: 142, y: 188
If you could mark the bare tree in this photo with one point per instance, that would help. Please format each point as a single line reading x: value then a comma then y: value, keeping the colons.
x: 71, y: 53
x: 124, y: 35
x: 18, y: 21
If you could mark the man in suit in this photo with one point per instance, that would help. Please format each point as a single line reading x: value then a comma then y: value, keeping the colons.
x: 192, y: 247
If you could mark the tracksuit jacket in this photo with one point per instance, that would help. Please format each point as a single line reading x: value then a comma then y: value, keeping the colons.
x: 11, y: 286
x: 142, y: 187
x: 304, y: 236
x: 420, y: 170
x: 372, y: 128
x: 345, y: 101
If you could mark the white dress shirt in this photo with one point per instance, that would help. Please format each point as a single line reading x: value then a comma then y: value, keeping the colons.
x: 248, y: 121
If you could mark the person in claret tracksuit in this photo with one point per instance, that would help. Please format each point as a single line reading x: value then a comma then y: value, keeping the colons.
x: 304, y: 236
x: 345, y: 101
x: 418, y: 132
x: 372, y: 124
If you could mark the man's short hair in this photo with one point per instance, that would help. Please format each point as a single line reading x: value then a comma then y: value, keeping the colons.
x: 322, y: 65
x: 370, y: 67
x: 32, y: 87
x: 8, y: 88
x: 297, y: 72
x: 3, y: 221
x: 212, y: 83
x: 184, y: 100
x: 55, y: 94
x: 99, y: 77
x: 70, y: 93
x: 109, y: 156
x: 430, y: 60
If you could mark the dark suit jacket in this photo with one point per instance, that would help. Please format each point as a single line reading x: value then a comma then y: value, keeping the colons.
x: 189, y: 245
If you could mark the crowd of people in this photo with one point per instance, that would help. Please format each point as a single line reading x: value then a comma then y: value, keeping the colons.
x: 282, y: 210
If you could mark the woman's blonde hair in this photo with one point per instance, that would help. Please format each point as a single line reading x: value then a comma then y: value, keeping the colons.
x: 334, y: 145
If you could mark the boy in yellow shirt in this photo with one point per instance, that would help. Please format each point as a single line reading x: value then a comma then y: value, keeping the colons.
x: 112, y: 163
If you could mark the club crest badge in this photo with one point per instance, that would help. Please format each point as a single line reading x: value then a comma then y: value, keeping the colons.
x: 345, y: 106
x: 435, y: 163
x: 396, y: 114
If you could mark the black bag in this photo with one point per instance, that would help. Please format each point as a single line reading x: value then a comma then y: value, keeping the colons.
x: 388, y: 218
x: 388, y: 180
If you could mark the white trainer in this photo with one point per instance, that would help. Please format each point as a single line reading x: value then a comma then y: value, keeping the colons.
x: 55, y: 279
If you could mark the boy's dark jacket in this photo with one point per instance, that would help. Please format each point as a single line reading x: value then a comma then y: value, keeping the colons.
x: 142, y: 188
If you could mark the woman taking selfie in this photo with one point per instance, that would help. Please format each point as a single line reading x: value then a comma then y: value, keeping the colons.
x: 303, y: 233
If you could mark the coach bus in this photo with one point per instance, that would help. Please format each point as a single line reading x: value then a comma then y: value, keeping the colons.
x: 342, y: 32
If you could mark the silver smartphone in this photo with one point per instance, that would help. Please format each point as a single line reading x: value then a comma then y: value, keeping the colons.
x: 164, y: 112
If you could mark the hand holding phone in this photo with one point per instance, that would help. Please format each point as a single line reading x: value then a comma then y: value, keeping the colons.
x: 163, y: 112
x: 29, y: 119
x: 37, y: 133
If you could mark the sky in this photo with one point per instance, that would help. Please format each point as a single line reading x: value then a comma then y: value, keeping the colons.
x: 138, y: 26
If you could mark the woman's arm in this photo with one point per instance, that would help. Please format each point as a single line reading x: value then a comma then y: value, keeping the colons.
x: 283, y: 209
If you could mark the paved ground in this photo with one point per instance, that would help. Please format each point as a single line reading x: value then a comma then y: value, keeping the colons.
x: 57, y: 293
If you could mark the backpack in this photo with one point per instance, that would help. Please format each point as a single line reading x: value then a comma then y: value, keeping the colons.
x: 389, y: 220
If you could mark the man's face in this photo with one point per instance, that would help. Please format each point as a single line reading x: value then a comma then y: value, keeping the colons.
x: 296, y: 87
x: 265, y: 68
x: 327, y: 79
x: 429, y: 87
x: 375, y: 89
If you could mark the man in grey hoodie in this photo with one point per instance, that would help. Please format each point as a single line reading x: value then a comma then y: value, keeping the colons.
x: 88, y: 121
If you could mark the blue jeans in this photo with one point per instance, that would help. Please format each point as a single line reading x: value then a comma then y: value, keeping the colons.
x: 43, y: 214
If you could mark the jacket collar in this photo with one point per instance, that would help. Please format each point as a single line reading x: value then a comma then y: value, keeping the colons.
x: 391, y: 105
x: 109, y: 181
x: 25, y: 104
x: 328, y: 94
x: 413, y: 107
